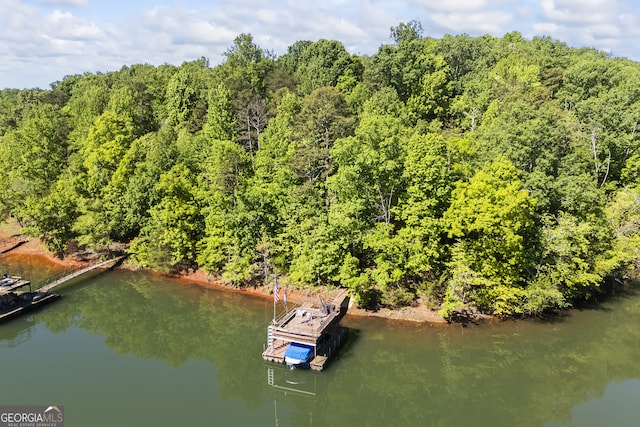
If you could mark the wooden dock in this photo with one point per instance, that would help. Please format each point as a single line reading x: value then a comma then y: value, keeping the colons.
x: 324, y: 351
x: 72, y: 275
x: 312, y: 324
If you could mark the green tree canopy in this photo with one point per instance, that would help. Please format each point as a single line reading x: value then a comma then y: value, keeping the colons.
x: 492, y: 174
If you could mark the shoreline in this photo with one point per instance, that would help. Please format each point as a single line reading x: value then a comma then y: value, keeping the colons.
x: 418, y: 314
x: 34, y: 248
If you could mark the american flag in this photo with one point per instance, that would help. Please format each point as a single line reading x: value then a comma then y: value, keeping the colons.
x: 276, y: 296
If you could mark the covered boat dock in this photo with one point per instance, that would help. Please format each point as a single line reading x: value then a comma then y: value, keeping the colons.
x: 314, y: 325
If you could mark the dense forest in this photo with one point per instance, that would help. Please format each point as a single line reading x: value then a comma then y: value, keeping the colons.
x: 492, y: 174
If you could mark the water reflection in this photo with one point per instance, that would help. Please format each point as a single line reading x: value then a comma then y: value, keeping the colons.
x: 292, y: 381
x: 33, y: 267
x: 293, y: 389
x: 17, y: 331
x: 520, y: 373
x: 618, y: 406
x: 175, y: 323
x: 513, y: 373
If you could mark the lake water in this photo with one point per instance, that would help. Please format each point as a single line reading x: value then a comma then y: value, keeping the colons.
x: 134, y: 349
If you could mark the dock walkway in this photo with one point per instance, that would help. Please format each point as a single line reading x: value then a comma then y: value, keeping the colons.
x: 70, y: 276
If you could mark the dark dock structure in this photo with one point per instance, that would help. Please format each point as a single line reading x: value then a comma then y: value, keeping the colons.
x: 14, y: 301
x: 311, y: 324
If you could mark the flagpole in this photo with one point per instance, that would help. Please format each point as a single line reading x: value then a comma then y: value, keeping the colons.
x: 275, y: 289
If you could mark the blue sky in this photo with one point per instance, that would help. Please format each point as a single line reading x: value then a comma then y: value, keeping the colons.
x: 41, y: 41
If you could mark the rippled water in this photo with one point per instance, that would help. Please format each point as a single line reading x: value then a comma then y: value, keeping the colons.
x: 134, y: 349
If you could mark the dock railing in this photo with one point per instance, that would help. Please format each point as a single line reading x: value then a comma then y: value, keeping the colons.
x: 51, y: 279
x: 285, y: 315
x: 70, y: 274
x: 319, y: 322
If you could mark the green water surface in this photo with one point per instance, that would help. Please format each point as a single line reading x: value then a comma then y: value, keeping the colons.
x: 134, y: 349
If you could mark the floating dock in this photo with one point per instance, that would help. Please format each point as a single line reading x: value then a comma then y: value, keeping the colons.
x: 14, y: 301
x: 316, y: 325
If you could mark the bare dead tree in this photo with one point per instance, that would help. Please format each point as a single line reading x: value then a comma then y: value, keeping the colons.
x: 594, y: 149
x: 472, y: 115
x: 254, y: 117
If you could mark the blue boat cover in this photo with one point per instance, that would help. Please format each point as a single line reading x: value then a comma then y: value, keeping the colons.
x: 299, y: 351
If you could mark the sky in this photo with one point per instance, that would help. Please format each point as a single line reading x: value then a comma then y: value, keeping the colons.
x: 42, y: 41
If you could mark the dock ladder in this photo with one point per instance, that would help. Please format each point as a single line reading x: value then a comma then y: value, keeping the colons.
x: 270, y: 330
x: 270, y: 379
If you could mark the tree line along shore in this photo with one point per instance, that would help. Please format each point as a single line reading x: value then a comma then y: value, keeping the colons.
x: 492, y: 175
x: 36, y: 253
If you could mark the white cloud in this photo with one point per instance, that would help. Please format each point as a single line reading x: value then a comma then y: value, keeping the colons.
x: 62, y: 3
x: 43, y: 40
x: 455, y: 5
x: 359, y: 25
x: 579, y: 12
x: 63, y: 46
x: 64, y: 25
x: 473, y: 23
x: 608, y: 25
x: 184, y: 27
